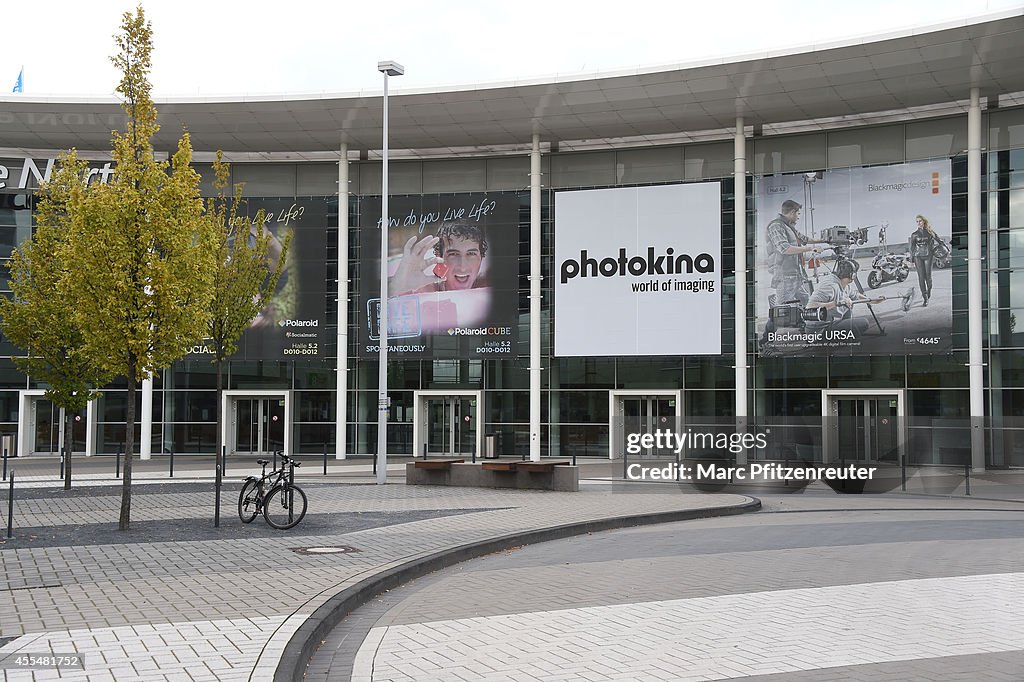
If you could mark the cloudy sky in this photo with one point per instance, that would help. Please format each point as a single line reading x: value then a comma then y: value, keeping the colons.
x: 219, y: 47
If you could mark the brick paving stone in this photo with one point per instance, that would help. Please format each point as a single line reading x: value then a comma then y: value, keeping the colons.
x: 154, y: 594
x: 972, y: 569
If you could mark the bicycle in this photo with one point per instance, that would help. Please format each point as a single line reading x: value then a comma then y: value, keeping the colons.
x: 282, y: 503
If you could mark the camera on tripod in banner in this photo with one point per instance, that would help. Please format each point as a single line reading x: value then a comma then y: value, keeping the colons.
x: 840, y: 236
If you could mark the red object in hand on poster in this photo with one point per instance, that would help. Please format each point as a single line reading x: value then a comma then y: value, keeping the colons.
x: 440, y: 271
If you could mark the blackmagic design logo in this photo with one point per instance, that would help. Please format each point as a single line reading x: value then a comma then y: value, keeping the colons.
x: 668, y: 263
x: 900, y: 186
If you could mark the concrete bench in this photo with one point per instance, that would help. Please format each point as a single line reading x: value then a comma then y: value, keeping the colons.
x: 556, y: 475
x: 541, y: 467
x: 499, y: 466
x: 437, y: 464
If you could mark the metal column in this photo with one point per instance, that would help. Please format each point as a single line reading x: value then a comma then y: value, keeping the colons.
x: 535, y: 322
x: 146, y: 430
x: 740, y: 295
x: 974, y: 314
x: 341, y: 380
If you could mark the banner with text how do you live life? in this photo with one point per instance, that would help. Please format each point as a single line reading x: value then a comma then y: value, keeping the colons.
x: 638, y: 271
x: 453, y: 275
x: 290, y: 325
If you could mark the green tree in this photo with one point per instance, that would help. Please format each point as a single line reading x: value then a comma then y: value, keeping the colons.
x: 144, y: 248
x: 249, y: 263
x: 40, y: 318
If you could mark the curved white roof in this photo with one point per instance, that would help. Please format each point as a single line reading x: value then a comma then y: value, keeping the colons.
x: 891, y: 73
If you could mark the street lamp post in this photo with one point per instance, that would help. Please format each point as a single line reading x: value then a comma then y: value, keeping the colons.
x: 388, y: 68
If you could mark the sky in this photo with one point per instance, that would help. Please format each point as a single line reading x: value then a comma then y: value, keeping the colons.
x: 224, y: 47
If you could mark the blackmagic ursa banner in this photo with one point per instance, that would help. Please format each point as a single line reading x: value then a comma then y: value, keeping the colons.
x: 291, y: 323
x: 453, y: 275
x: 855, y: 261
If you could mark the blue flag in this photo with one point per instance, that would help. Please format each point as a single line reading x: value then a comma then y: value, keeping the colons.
x: 19, y: 85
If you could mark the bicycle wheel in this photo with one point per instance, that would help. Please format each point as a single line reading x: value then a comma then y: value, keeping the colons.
x: 248, y: 502
x: 284, y: 506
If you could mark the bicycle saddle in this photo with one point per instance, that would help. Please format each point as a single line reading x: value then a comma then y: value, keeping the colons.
x: 263, y: 461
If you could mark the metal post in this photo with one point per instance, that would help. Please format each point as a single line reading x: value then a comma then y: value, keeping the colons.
x: 172, y: 463
x: 291, y: 493
x: 903, y: 474
x: 387, y: 68
x: 216, y: 500
x: 967, y: 479
x: 275, y: 459
x: 117, y: 463
x: 325, y: 458
x: 223, y: 460
x: 5, y: 464
x: 62, y: 464
x: 10, y: 508
x: 535, y: 298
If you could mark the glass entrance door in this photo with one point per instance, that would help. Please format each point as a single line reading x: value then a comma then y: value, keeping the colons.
x: 451, y: 425
x: 867, y: 428
x: 46, y: 428
x: 648, y: 414
x: 259, y: 425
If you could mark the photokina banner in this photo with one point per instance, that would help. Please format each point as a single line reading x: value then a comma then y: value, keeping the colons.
x: 453, y: 275
x: 638, y: 271
x: 855, y: 261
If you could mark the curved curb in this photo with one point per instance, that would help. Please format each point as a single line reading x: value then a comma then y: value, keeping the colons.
x: 300, y: 648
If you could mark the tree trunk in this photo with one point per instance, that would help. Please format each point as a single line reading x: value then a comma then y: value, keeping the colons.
x: 129, y: 448
x: 69, y: 421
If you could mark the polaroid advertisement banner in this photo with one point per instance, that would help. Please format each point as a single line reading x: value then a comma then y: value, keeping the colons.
x: 453, y: 275
x: 638, y: 271
x: 855, y: 261
x: 291, y: 323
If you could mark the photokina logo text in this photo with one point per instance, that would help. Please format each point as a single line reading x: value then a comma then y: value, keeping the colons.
x: 667, y: 263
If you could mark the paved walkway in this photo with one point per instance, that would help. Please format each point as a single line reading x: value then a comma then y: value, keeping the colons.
x: 221, y: 604
x: 873, y: 593
x: 176, y: 598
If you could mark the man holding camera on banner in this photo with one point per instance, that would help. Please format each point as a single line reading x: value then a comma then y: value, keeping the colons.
x: 831, y: 305
x: 786, y: 249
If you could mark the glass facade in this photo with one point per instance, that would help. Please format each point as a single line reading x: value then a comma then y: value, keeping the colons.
x: 575, y: 394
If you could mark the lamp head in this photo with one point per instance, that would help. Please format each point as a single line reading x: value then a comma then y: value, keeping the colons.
x: 390, y: 68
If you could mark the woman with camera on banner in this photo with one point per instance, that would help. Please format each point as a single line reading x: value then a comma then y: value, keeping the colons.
x: 830, y: 306
x: 923, y: 246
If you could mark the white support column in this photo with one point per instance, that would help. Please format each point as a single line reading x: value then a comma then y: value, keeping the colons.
x: 740, y: 314
x: 535, y: 321
x: 341, y: 380
x: 974, y: 315
x: 146, y: 430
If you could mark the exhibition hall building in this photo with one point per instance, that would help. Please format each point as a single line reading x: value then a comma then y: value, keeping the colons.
x: 820, y: 243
